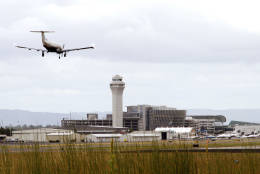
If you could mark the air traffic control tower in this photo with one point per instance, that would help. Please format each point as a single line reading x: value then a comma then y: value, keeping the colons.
x: 117, y: 87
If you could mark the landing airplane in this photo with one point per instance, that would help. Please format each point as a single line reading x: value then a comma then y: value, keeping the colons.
x: 53, y: 47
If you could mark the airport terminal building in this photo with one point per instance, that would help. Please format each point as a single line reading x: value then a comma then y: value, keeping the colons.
x: 139, y: 117
x: 145, y: 118
x: 151, y: 117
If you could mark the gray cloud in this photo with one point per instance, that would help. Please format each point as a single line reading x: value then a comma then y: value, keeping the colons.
x: 167, y: 55
x: 159, y: 33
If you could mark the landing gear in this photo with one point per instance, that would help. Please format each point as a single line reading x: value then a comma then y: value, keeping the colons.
x: 59, y: 56
x: 42, y: 53
x: 65, y: 54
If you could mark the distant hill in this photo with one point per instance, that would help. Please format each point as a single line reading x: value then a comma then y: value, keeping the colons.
x: 233, y: 123
x: 20, y: 117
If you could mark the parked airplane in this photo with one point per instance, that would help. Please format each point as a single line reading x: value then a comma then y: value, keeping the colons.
x: 251, y: 136
x: 230, y: 135
x: 53, y: 47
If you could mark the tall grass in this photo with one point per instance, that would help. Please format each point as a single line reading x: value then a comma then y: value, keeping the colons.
x: 92, y: 158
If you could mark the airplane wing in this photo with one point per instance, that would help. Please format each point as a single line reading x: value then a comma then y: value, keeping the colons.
x: 35, y: 49
x: 76, y: 49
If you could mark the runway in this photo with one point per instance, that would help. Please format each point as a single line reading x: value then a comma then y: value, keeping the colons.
x: 129, y: 148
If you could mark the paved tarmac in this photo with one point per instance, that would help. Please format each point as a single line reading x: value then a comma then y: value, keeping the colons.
x: 106, y: 147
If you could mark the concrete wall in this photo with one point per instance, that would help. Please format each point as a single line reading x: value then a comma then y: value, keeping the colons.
x: 96, y: 139
x: 61, y: 138
x: 35, y: 135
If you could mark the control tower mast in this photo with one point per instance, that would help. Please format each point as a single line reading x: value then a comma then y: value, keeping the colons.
x: 117, y: 87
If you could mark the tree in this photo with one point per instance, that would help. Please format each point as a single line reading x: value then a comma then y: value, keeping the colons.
x: 6, y: 131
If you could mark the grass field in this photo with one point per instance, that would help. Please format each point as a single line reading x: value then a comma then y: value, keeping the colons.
x: 69, y: 158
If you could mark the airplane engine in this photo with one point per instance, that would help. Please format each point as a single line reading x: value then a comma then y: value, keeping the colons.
x: 65, y: 54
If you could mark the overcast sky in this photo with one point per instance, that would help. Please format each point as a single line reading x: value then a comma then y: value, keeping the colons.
x: 184, y: 54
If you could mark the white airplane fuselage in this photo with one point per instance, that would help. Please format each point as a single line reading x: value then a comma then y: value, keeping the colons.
x: 51, y: 47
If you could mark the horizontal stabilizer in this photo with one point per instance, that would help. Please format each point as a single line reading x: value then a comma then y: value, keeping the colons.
x: 43, y: 31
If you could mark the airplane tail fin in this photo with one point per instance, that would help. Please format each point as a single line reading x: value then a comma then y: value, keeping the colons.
x: 43, y: 36
x: 42, y: 31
